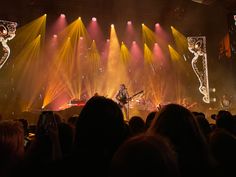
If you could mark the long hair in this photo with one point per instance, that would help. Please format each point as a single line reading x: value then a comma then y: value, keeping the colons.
x: 11, y: 143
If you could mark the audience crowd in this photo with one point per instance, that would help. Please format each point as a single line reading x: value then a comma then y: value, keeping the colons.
x: 97, y: 142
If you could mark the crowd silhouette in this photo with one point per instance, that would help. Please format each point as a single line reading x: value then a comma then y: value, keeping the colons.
x: 170, y: 142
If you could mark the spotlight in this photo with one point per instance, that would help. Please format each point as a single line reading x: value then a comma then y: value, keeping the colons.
x: 129, y: 23
x: 157, y: 24
x: 134, y: 42
x: 55, y: 36
x: 62, y: 15
x: 112, y: 26
x: 45, y: 15
x: 213, y: 89
x: 108, y: 40
x: 156, y: 44
x: 213, y: 99
x: 79, y: 18
x: 94, y: 19
x: 81, y: 38
x: 142, y: 24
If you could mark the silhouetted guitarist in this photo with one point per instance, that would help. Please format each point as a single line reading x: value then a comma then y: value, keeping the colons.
x: 122, y: 97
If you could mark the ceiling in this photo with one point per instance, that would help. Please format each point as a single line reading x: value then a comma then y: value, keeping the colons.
x: 190, y: 16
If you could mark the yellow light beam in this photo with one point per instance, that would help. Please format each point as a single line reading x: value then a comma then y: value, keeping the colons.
x: 76, y: 30
x: 148, y: 35
x: 92, y: 81
x: 125, y: 54
x: 180, y: 40
x: 175, y: 56
x: 148, y: 55
x: 114, y: 64
x: 27, y: 71
x: 61, y: 77
x: 28, y: 33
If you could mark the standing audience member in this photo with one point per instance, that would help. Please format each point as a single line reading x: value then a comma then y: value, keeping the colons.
x: 223, y: 146
x: 145, y: 155
x: 44, y: 149
x: 100, y: 130
x: 136, y: 125
x: 203, y: 124
x: 178, y: 124
x: 150, y: 118
x: 11, y: 146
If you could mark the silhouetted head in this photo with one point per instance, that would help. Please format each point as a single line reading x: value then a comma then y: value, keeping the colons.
x: 150, y: 118
x: 175, y: 122
x: 145, y: 155
x: 224, y: 119
x: 11, y: 143
x: 136, y: 125
x: 100, y: 124
x: 178, y: 124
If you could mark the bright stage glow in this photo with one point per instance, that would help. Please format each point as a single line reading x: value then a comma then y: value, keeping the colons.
x: 63, y: 16
x: 81, y: 60
x: 213, y: 99
x: 214, y: 90
x: 94, y: 19
x: 129, y: 23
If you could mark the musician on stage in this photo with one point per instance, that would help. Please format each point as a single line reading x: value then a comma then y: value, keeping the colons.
x: 122, y: 96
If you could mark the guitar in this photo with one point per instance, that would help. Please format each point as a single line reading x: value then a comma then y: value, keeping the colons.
x: 124, y: 101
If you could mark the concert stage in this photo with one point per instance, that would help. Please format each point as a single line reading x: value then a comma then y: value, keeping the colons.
x: 49, y: 56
